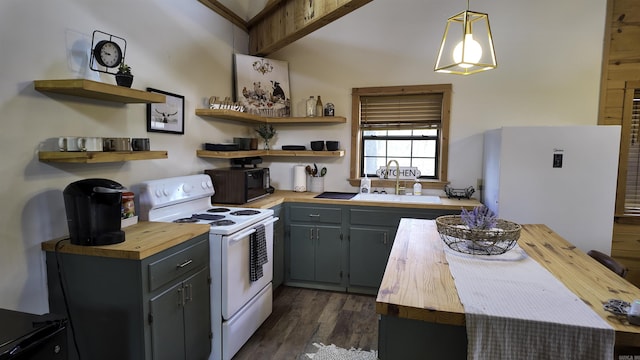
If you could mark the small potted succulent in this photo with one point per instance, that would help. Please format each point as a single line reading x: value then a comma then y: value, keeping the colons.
x: 124, y: 76
x: 266, y: 132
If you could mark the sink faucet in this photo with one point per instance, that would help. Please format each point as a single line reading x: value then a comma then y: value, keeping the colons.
x: 386, y: 174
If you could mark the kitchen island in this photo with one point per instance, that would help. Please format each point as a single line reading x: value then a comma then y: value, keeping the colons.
x: 421, y: 312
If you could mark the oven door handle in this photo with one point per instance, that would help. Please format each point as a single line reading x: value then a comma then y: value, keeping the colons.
x: 244, y: 234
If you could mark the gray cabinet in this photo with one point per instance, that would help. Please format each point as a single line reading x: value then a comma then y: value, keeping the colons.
x: 278, y: 246
x: 154, y: 308
x: 369, y: 250
x: 371, y: 234
x: 343, y: 247
x: 315, y: 247
x: 176, y: 329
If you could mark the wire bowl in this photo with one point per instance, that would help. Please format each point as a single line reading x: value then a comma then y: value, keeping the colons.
x: 455, y: 233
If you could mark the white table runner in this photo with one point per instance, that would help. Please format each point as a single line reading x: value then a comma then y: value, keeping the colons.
x: 516, y: 309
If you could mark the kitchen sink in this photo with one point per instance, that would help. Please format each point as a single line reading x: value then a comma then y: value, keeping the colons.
x: 414, y: 199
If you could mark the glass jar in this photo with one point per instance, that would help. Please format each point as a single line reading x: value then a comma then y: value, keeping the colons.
x: 311, y: 107
x: 128, y: 205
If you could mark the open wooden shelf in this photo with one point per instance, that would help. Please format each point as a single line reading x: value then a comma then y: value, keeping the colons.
x: 98, y: 90
x: 93, y: 157
x: 250, y: 153
x: 250, y: 118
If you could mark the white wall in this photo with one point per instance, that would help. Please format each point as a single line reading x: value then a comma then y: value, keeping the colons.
x: 549, y: 66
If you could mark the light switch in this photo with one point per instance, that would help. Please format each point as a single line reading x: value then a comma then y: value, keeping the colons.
x: 557, y: 160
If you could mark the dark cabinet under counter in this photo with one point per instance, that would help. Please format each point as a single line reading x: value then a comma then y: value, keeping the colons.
x: 125, y: 305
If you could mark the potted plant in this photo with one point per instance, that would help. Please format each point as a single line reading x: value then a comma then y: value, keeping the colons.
x: 124, y: 76
x: 266, y: 132
x: 478, y: 232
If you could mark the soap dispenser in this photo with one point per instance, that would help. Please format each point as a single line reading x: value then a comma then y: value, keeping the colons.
x: 365, y: 185
x: 417, y: 188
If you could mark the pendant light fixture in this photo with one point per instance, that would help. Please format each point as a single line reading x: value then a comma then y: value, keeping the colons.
x: 467, y: 45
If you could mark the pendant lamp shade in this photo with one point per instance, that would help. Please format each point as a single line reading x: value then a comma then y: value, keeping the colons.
x: 467, y: 45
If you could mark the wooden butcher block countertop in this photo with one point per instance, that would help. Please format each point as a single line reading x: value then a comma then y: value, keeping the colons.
x: 142, y: 240
x: 282, y: 196
x: 417, y: 283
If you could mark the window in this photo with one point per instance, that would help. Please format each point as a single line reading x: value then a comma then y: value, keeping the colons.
x: 629, y: 192
x: 409, y: 124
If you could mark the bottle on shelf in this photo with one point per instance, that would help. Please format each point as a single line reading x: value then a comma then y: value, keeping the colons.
x: 319, y: 107
x: 311, y: 106
x: 417, y: 187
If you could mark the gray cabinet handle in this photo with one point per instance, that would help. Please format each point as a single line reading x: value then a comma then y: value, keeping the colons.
x: 180, y: 266
x: 189, y: 288
x: 384, y: 238
x: 311, y: 234
x: 314, y: 215
x: 181, y: 297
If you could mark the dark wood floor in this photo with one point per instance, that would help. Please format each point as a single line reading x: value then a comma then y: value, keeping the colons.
x: 302, y: 316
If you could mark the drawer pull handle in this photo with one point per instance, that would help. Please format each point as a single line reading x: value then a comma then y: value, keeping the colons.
x: 314, y: 215
x: 189, y: 292
x: 184, y: 264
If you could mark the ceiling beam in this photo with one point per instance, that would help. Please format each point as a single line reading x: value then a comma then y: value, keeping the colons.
x: 226, y: 13
x: 285, y: 21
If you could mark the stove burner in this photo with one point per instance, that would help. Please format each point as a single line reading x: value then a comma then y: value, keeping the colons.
x: 245, y: 212
x: 186, y: 220
x: 218, y: 210
x: 207, y: 216
x: 223, y: 223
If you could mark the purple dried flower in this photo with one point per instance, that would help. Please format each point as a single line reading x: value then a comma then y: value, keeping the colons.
x: 481, y: 217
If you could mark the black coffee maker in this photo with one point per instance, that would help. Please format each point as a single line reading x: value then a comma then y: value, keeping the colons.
x: 94, y: 210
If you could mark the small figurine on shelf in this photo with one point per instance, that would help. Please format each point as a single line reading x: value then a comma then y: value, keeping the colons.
x: 266, y: 132
x: 124, y: 76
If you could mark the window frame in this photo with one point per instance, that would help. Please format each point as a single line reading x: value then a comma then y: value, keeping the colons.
x: 625, y: 140
x: 357, y: 141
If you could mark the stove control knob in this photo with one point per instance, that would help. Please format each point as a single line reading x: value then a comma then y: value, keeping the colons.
x: 206, y: 184
x: 165, y: 192
x: 187, y: 188
x: 158, y: 193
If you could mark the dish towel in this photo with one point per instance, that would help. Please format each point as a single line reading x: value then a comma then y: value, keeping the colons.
x: 516, y: 309
x: 257, y: 253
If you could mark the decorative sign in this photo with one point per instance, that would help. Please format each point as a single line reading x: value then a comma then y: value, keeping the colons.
x: 405, y: 172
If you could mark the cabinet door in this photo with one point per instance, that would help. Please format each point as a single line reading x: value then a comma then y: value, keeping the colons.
x: 197, y: 316
x: 302, y: 252
x: 369, y: 250
x: 278, y: 253
x: 328, y: 254
x: 167, y: 325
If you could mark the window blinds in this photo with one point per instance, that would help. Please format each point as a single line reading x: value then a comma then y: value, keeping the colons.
x: 632, y: 193
x: 421, y: 111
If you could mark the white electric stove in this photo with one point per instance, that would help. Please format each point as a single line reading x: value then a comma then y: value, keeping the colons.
x: 238, y: 304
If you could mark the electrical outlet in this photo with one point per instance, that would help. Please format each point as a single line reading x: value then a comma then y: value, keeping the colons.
x: 479, y: 184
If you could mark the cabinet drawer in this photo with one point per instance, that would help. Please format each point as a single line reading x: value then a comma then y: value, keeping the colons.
x: 374, y: 217
x: 316, y: 214
x: 178, y: 264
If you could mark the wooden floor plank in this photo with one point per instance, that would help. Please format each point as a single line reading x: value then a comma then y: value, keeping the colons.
x: 302, y: 317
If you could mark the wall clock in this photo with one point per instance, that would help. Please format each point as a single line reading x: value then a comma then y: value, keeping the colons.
x: 107, y: 52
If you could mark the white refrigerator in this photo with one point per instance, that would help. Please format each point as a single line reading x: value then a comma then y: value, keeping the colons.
x: 561, y: 176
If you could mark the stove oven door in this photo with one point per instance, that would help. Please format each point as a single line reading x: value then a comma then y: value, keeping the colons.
x: 237, y: 288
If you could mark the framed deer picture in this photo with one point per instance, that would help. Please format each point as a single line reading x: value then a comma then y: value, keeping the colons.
x: 262, y: 86
x: 166, y: 117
